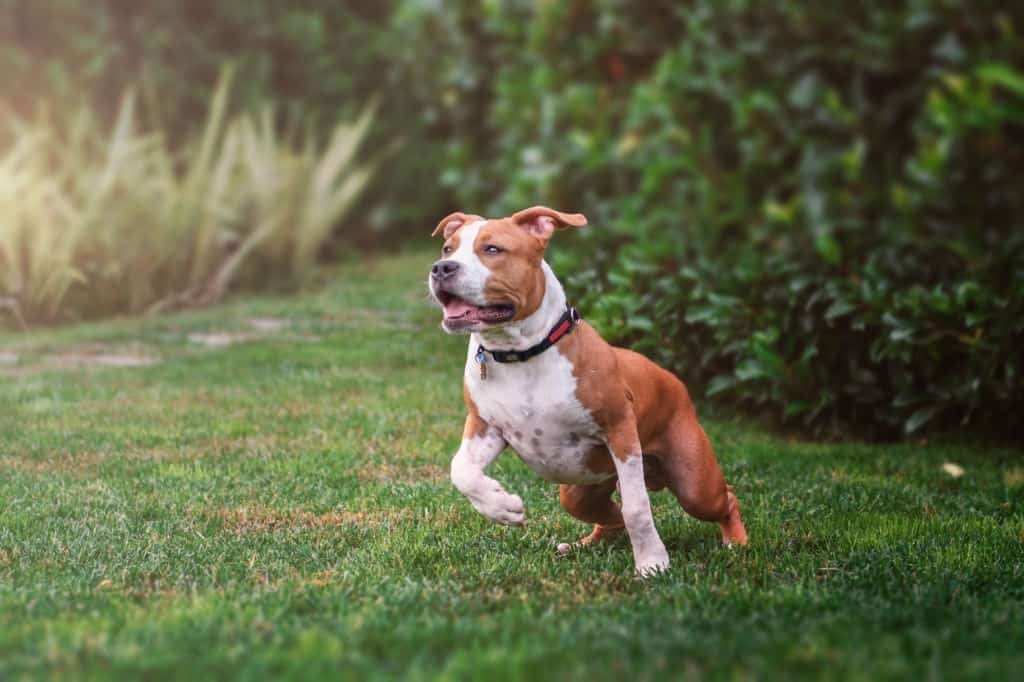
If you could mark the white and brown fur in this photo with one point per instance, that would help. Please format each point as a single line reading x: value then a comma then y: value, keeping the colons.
x: 582, y: 414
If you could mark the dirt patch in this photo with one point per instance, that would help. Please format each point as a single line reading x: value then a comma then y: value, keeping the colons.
x: 321, y: 578
x: 411, y: 472
x: 81, y: 358
x: 136, y: 355
x: 262, y: 519
x: 220, y: 339
x: 269, y: 324
x: 102, y: 360
x: 60, y: 462
x: 261, y: 328
x: 81, y: 463
x: 148, y: 588
x: 258, y: 519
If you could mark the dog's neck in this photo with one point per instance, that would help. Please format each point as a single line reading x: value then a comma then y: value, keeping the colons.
x: 532, y: 329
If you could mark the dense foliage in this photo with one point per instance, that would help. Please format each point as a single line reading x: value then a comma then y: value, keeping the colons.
x: 812, y: 209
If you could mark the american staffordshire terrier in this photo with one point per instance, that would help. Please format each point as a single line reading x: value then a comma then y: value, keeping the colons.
x: 578, y: 411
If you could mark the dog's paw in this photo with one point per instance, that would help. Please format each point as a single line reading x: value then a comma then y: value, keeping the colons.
x: 501, y: 507
x: 652, y: 564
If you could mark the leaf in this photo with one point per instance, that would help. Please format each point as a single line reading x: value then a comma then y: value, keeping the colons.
x: 839, y: 308
x: 796, y: 407
x: 827, y: 246
x: 640, y: 322
x: 921, y: 417
x: 805, y: 91
x: 720, y: 383
x: 953, y: 469
x: 697, y: 315
x: 749, y: 370
x: 998, y: 73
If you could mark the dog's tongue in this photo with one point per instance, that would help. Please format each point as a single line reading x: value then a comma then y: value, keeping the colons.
x: 457, y: 308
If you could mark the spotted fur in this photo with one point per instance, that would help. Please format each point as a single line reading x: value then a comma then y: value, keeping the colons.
x: 582, y: 414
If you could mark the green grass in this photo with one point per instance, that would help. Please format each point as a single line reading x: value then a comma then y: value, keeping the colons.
x: 280, y: 508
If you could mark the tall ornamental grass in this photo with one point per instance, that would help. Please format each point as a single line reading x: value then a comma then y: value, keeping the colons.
x: 98, y: 220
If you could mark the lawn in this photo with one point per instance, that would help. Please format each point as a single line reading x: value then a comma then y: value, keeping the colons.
x: 259, y: 490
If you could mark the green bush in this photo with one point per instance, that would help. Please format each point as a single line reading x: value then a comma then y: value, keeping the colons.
x: 813, y: 209
x: 95, y: 223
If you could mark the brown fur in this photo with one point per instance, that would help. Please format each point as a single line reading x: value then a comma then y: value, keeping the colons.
x: 475, y: 426
x: 642, y: 409
x: 452, y: 222
x: 516, y: 278
x: 516, y: 275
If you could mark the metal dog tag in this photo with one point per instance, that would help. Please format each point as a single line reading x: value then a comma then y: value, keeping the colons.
x: 481, y: 359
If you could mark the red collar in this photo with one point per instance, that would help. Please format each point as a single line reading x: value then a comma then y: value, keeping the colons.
x: 565, y: 324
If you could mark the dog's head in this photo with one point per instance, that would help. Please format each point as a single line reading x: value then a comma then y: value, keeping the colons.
x: 490, y: 271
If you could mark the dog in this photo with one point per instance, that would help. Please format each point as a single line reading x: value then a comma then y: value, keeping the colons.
x: 578, y: 411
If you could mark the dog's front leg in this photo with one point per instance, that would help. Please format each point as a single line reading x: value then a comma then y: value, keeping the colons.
x: 474, y: 456
x: 649, y: 552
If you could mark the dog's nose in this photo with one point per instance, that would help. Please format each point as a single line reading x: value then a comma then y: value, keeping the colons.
x: 443, y: 269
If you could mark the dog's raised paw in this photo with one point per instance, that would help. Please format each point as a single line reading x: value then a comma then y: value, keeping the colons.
x: 502, y: 507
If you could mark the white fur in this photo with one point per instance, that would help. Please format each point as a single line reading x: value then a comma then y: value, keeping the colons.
x: 533, y: 404
x: 473, y: 274
x: 487, y: 496
x: 533, y: 407
x: 649, y: 553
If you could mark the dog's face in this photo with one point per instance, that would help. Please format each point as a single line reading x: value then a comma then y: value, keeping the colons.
x: 490, y: 271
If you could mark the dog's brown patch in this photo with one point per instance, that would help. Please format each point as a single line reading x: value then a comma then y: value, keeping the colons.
x: 599, y: 460
x: 452, y: 223
x: 516, y: 275
x: 475, y: 425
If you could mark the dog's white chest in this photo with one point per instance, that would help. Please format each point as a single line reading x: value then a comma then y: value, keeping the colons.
x: 534, y: 404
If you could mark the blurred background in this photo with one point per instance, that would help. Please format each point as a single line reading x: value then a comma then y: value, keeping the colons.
x: 810, y: 210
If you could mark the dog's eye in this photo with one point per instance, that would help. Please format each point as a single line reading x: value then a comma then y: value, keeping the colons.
x: 445, y: 250
x: 492, y: 249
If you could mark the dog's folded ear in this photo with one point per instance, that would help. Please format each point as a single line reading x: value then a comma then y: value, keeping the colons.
x: 542, y: 221
x: 450, y: 224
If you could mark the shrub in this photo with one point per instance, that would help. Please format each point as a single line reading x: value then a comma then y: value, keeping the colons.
x: 810, y: 209
x: 94, y: 223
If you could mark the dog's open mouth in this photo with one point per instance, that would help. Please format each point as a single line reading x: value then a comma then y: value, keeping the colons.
x: 459, y: 312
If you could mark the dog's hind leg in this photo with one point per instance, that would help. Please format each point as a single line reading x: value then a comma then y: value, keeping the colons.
x: 693, y: 475
x: 593, y: 504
